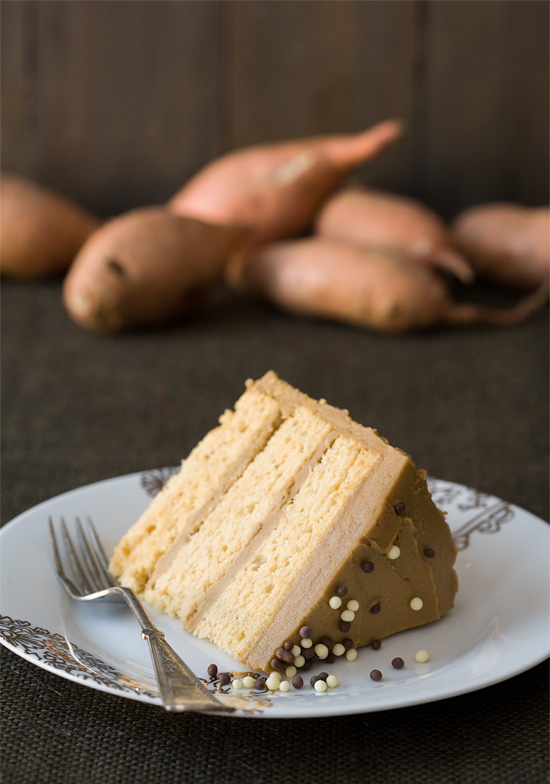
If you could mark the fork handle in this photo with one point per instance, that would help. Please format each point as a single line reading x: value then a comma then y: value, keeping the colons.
x: 179, y: 688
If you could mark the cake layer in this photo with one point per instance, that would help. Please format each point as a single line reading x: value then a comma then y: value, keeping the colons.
x: 213, y: 465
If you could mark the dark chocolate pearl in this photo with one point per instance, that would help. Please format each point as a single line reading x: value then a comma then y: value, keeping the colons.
x: 344, y: 626
x: 305, y: 667
x: 400, y: 508
x: 367, y: 566
x: 341, y: 590
x: 285, y: 656
x: 225, y: 678
x: 288, y: 646
x: 212, y: 670
x: 314, y: 679
x: 259, y: 684
x: 306, y: 632
x: 308, y: 653
x: 323, y: 676
x: 278, y: 665
x: 375, y: 608
x: 347, y: 644
x: 429, y: 553
x: 376, y: 645
x: 331, y: 658
x: 376, y: 675
x: 398, y: 663
x: 297, y: 682
x: 329, y: 642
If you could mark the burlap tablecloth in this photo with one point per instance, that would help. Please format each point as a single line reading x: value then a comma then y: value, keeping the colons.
x: 470, y: 405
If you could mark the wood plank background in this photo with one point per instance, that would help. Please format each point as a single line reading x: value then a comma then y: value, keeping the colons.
x: 118, y: 102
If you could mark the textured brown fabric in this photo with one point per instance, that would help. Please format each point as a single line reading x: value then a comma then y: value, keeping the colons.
x: 470, y: 405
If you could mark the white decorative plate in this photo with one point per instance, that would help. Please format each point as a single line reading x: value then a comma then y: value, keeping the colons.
x: 498, y: 628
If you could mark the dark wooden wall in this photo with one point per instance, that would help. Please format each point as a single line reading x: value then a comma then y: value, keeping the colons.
x: 118, y: 102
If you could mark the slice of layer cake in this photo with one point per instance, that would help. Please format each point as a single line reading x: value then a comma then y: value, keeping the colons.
x: 289, y: 520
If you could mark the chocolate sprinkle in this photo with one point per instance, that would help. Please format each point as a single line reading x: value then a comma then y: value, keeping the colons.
x: 347, y: 644
x: 344, y: 626
x: 429, y: 553
x: 341, y: 590
x: 323, y: 676
x: 331, y: 658
x: 259, y: 684
x: 329, y: 642
x: 400, y: 508
x: 367, y: 566
x: 376, y: 675
x: 212, y: 670
x: 398, y: 663
x: 278, y: 665
x: 285, y: 656
x: 225, y: 678
x: 288, y: 646
x: 306, y: 632
x: 308, y: 653
x: 376, y: 645
x: 297, y: 682
x: 375, y: 608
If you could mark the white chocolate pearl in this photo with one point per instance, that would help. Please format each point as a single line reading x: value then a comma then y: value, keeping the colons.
x: 276, y: 675
x: 351, y: 655
x: 335, y: 602
x: 394, y: 553
x: 237, y: 684
x: 353, y: 605
x: 416, y: 603
x: 332, y: 681
x: 290, y: 671
x: 272, y: 683
x: 321, y: 650
x: 421, y: 656
x: 338, y: 649
x: 248, y: 682
x: 284, y: 686
x: 299, y: 661
x: 306, y: 643
x: 320, y: 686
x: 347, y: 615
x: 296, y: 650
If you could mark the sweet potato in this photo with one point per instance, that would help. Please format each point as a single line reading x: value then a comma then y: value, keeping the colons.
x: 378, y: 289
x: 40, y: 231
x: 384, y: 220
x: 276, y: 188
x: 145, y: 267
x: 506, y: 243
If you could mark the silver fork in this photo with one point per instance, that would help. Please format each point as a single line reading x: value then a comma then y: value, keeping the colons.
x: 88, y: 579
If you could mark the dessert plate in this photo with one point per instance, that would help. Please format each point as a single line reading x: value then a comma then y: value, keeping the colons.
x: 498, y: 628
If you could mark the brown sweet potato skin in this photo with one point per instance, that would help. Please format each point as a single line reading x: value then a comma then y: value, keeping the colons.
x: 275, y: 189
x: 147, y: 266
x: 366, y: 287
x: 41, y: 231
x: 506, y: 243
x: 379, y: 219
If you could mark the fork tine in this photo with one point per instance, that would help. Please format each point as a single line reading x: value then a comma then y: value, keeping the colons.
x: 94, y: 573
x: 58, y: 563
x: 99, y: 552
x: 82, y: 581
